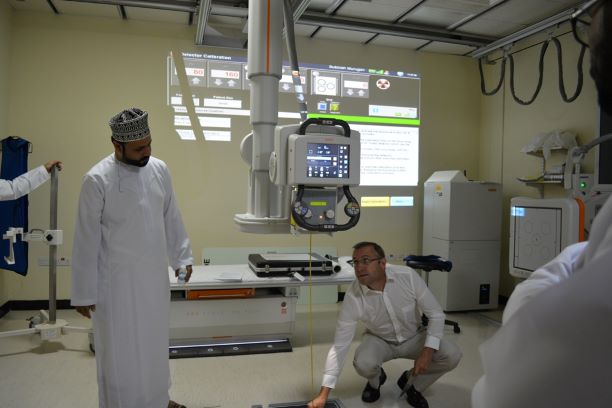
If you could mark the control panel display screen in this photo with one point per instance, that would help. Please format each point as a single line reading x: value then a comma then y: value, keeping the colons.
x: 325, y: 160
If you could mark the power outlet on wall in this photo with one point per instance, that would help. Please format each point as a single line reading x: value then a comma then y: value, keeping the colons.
x: 60, y: 261
x: 396, y: 257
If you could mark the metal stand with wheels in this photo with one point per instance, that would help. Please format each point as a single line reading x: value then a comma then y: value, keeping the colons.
x: 45, y: 323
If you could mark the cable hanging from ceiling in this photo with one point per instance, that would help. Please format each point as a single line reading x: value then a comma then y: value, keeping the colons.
x: 509, y: 57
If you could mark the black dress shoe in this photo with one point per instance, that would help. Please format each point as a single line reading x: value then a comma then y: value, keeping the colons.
x: 415, y: 398
x: 403, y: 379
x: 371, y: 394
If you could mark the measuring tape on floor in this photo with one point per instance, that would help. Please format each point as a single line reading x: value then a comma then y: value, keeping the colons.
x: 310, y: 328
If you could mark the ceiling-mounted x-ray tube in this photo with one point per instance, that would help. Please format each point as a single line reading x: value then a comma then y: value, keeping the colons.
x: 266, y: 212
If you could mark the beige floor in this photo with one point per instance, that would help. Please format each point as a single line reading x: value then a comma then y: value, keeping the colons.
x: 61, y: 373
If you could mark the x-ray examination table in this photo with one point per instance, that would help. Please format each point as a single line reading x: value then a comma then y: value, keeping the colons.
x: 236, y: 312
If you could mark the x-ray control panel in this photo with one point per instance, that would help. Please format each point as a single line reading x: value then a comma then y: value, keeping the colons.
x: 325, y: 160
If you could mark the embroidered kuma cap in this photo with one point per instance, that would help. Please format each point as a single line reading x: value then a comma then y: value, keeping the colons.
x: 130, y: 125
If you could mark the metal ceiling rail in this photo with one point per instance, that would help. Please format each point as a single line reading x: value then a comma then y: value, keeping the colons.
x: 397, y: 30
x: 524, y: 33
x: 306, y: 18
x: 170, y: 5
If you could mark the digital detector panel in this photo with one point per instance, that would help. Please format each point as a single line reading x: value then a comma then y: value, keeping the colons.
x: 539, y: 230
x: 537, y: 236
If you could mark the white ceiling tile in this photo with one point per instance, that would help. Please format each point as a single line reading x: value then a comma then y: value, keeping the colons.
x: 434, y: 16
x: 447, y: 48
x: 522, y: 12
x: 147, y: 14
x: 466, y: 6
x: 303, y: 30
x: 382, y: 10
x: 513, y: 16
x: 319, y: 5
x: 494, y: 28
x: 398, y: 42
x: 226, y: 20
x: 342, y: 35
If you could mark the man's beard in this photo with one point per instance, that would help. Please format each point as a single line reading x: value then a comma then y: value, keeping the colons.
x: 138, y: 163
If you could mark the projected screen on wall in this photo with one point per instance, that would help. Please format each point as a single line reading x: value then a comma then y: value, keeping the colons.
x: 383, y: 105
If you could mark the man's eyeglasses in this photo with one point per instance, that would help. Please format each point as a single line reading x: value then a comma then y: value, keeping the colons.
x: 581, y: 20
x: 365, y: 261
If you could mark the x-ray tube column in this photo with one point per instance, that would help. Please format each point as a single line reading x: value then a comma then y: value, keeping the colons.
x: 264, y: 73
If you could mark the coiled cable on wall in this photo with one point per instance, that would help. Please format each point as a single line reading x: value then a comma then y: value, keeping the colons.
x: 540, y: 77
x: 544, y: 48
x: 502, y: 74
x: 579, y: 63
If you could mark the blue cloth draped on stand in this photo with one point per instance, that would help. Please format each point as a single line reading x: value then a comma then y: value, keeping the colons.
x: 14, y: 213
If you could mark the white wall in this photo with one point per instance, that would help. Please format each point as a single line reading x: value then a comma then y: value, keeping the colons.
x: 507, y: 126
x: 69, y: 75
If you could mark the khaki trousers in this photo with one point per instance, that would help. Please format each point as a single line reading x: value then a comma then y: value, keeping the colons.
x: 374, y: 351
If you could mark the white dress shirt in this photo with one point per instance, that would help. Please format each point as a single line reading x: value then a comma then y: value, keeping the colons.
x: 393, y: 315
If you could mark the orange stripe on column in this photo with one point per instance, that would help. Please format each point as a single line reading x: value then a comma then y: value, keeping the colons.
x: 580, y: 219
